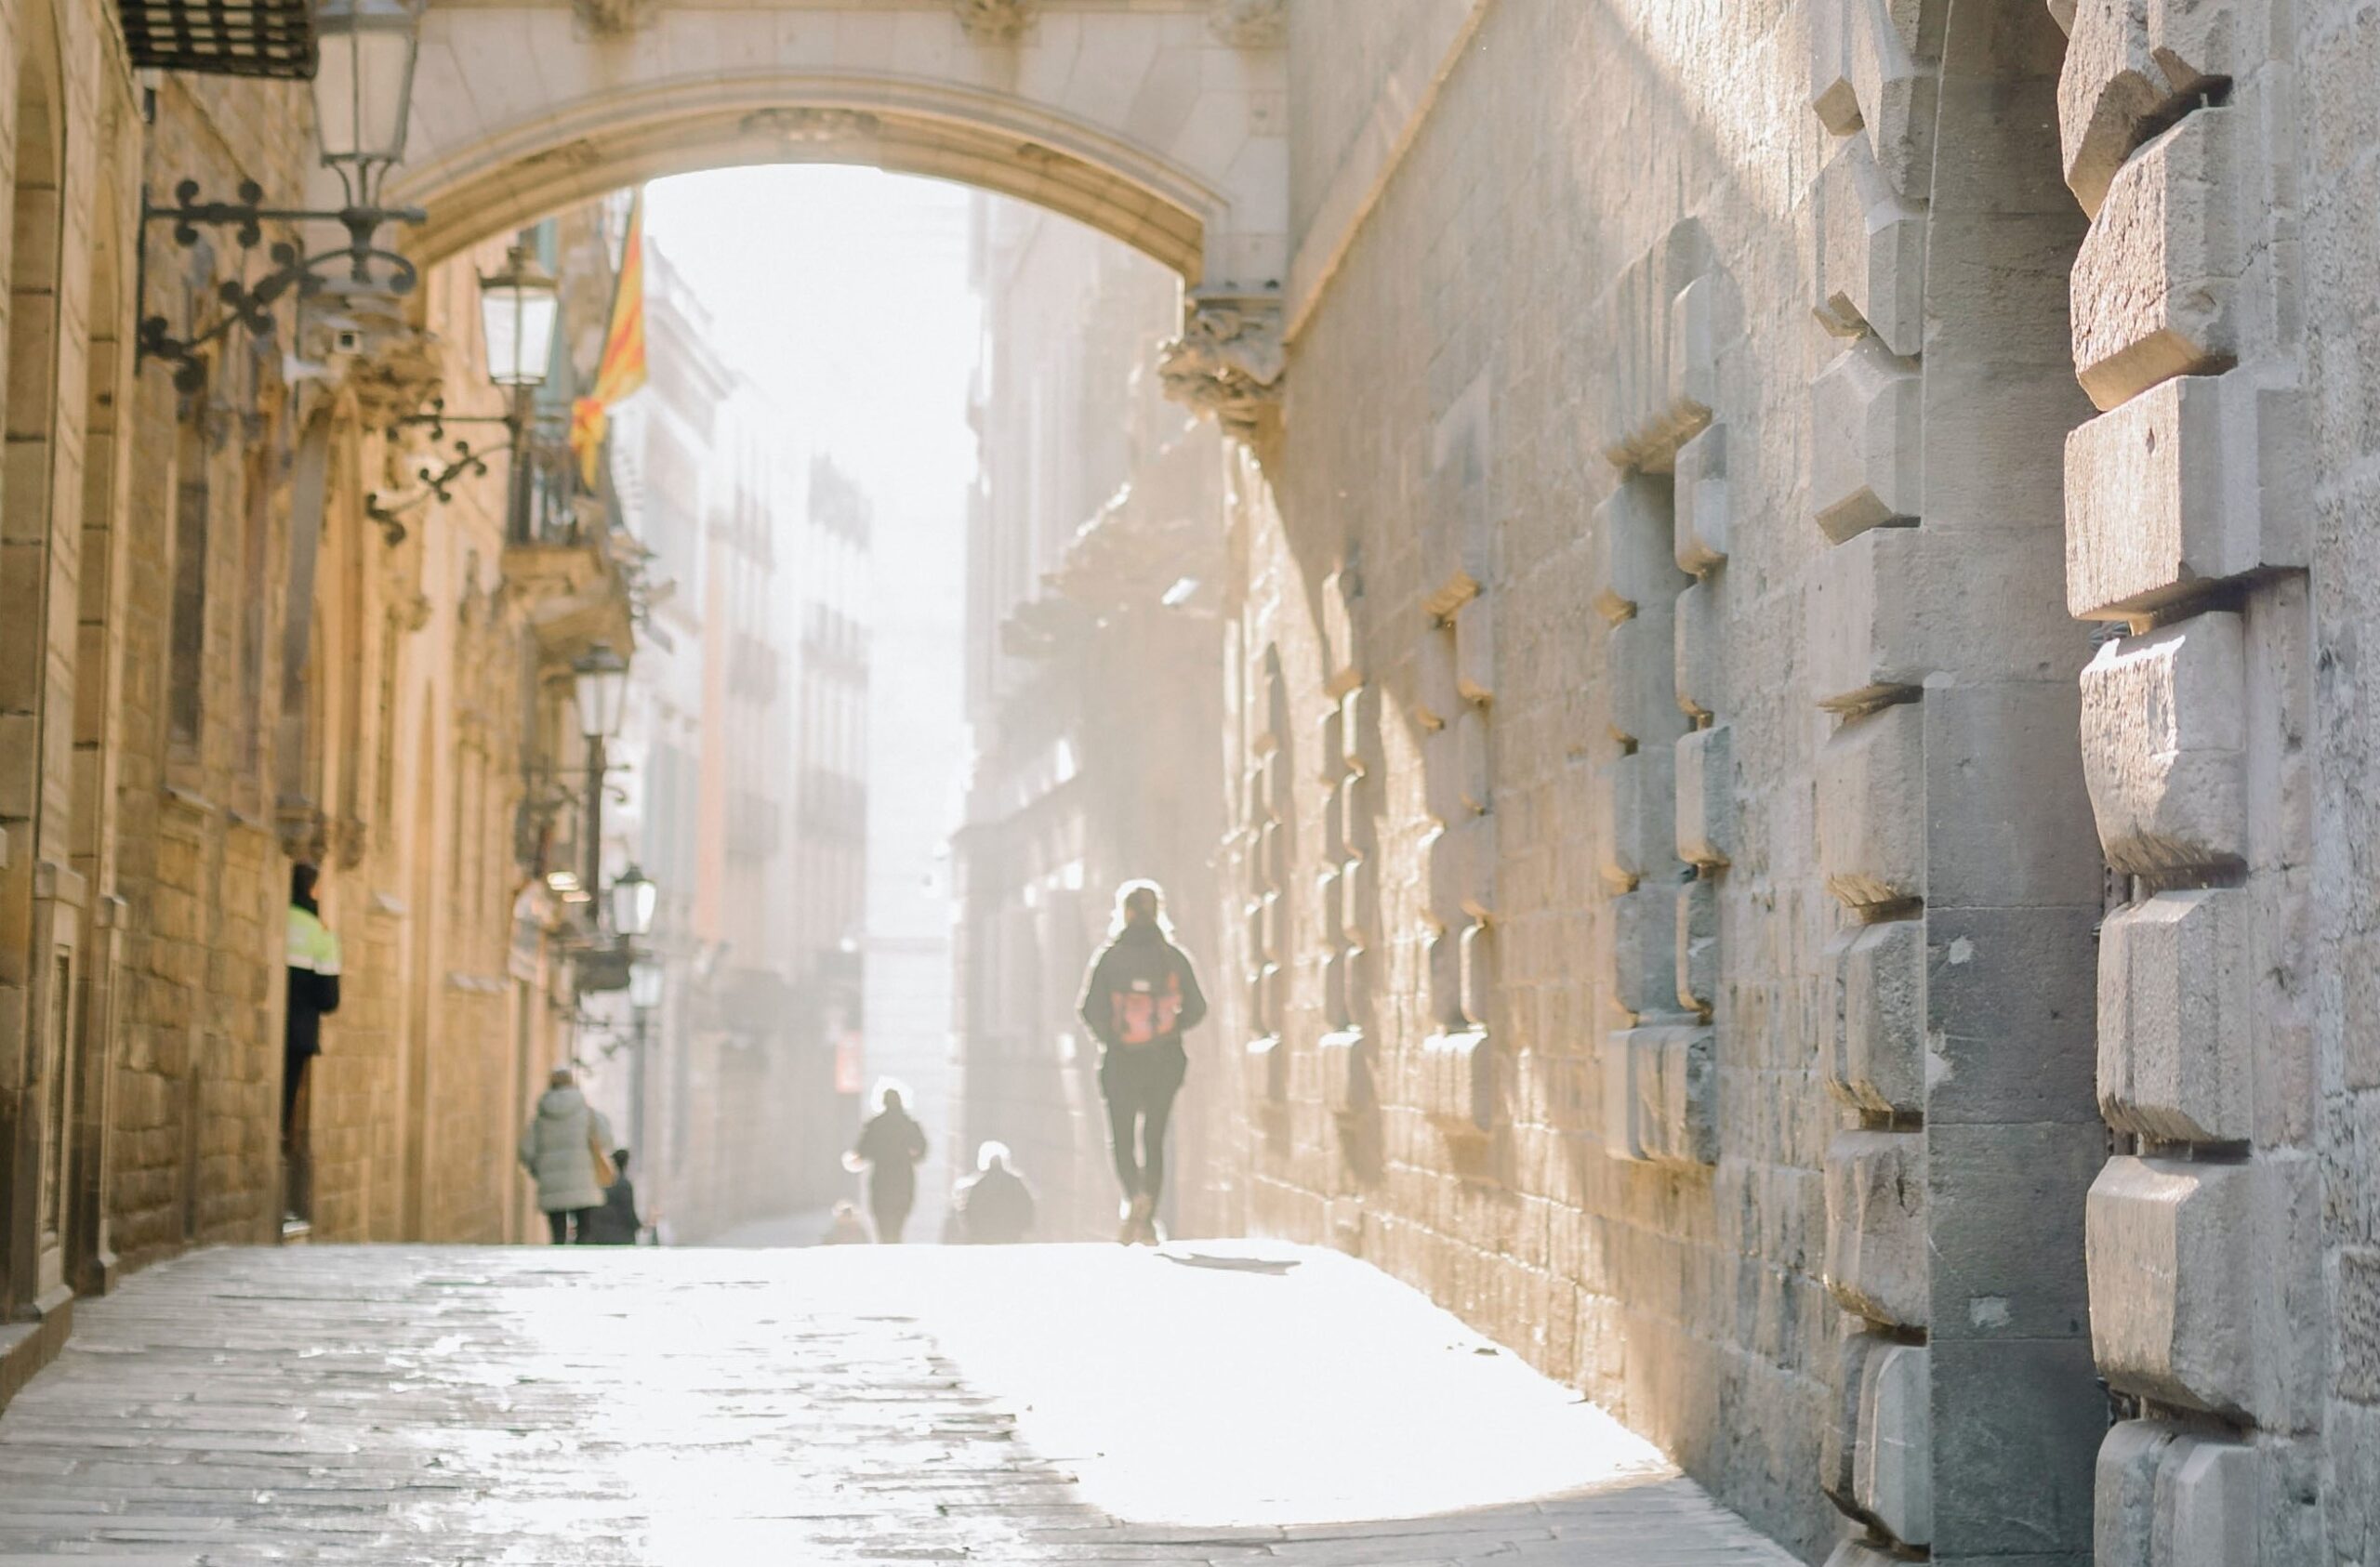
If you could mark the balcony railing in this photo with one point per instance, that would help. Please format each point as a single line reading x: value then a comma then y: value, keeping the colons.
x: 558, y: 507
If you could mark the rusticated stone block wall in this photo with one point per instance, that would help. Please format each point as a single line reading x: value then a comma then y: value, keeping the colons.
x: 1720, y: 1032
x: 2188, y: 513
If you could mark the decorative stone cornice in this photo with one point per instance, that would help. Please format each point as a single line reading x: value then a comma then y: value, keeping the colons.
x: 1251, y: 24
x: 994, y: 21
x: 1229, y: 360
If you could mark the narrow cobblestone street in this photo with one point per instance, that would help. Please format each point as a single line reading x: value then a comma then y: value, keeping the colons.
x: 1038, y: 1404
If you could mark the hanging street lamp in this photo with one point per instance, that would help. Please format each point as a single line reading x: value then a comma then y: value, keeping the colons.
x: 600, y: 682
x: 647, y: 978
x: 364, y: 87
x: 362, y: 98
x: 520, y: 304
x: 635, y: 896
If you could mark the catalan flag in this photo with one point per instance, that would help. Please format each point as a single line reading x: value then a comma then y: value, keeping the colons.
x: 621, y: 371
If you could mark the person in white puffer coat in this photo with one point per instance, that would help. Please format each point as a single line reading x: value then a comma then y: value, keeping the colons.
x: 563, y: 1146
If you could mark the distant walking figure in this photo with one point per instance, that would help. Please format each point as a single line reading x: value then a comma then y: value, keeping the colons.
x: 568, y: 1148
x: 615, y: 1223
x: 1137, y: 999
x: 994, y: 1204
x: 889, y: 1146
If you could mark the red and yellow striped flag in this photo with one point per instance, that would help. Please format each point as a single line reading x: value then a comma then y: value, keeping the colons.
x: 622, y: 369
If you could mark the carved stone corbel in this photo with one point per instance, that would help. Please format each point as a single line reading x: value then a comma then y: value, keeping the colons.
x: 1251, y: 24
x: 612, y: 19
x: 994, y: 21
x: 363, y: 338
x: 1229, y: 360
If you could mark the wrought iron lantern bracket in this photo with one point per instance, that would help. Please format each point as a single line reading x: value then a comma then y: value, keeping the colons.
x: 294, y: 272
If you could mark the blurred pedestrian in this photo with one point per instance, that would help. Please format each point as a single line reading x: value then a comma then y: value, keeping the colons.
x: 615, y: 1222
x: 567, y: 1146
x: 994, y: 1206
x: 845, y: 1227
x: 889, y: 1147
x: 1139, y: 997
x: 313, y: 988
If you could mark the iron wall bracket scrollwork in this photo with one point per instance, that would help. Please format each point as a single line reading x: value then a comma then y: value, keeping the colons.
x: 435, y: 485
x: 294, y: 272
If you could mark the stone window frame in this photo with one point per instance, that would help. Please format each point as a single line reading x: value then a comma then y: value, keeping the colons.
x: 1666, y: 786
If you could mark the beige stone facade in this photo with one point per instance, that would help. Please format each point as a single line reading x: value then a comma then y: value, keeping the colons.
x: 1755, y: 489
x: 240, y: 634
x: 1791, y: 820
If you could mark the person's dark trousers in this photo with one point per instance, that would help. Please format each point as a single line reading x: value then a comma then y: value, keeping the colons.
x: 1139, y: 1082
x: 293, y: 1078
x: 567, y: 1222
x: 889, y: 1224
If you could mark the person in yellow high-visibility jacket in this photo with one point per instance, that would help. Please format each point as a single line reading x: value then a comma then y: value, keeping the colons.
x: 313, y: 987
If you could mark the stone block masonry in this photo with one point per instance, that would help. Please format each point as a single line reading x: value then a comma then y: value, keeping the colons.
x: 2187, y: 512
x: 1775, y: 1124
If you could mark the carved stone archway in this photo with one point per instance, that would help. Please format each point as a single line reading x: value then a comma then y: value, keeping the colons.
x: 1162, y: 122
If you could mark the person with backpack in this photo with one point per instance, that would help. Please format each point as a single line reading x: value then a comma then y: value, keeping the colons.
x: 1140, y: 996
x: 994, y: 1207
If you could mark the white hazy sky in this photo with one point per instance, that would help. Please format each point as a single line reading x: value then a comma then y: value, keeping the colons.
x: 843, y: 293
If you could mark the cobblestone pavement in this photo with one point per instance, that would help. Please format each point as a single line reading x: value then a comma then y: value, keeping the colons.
x: 1076, y: 1405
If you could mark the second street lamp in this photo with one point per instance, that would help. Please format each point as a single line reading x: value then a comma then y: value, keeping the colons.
x: 518, y: 307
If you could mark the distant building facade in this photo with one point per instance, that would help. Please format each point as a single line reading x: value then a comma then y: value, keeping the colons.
x: 829, y: 833
x: 1094, y: 572
x: 742, y: 799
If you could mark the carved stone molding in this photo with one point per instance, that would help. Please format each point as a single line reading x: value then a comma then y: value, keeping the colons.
x: 1229, y: 358
x: 994, y: 21
x: 362, y: 333
x: 1251, y: 24
x: 612, y: 19
x: 813, y: 126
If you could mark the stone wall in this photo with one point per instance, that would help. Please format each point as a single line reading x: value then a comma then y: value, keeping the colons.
x: 2339, y: 146
x: 68, y: 130
x: 2188, y: 507
x: 1667, y: 908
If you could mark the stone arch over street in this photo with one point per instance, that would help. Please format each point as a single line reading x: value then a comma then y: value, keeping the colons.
x: 1162, y: 125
